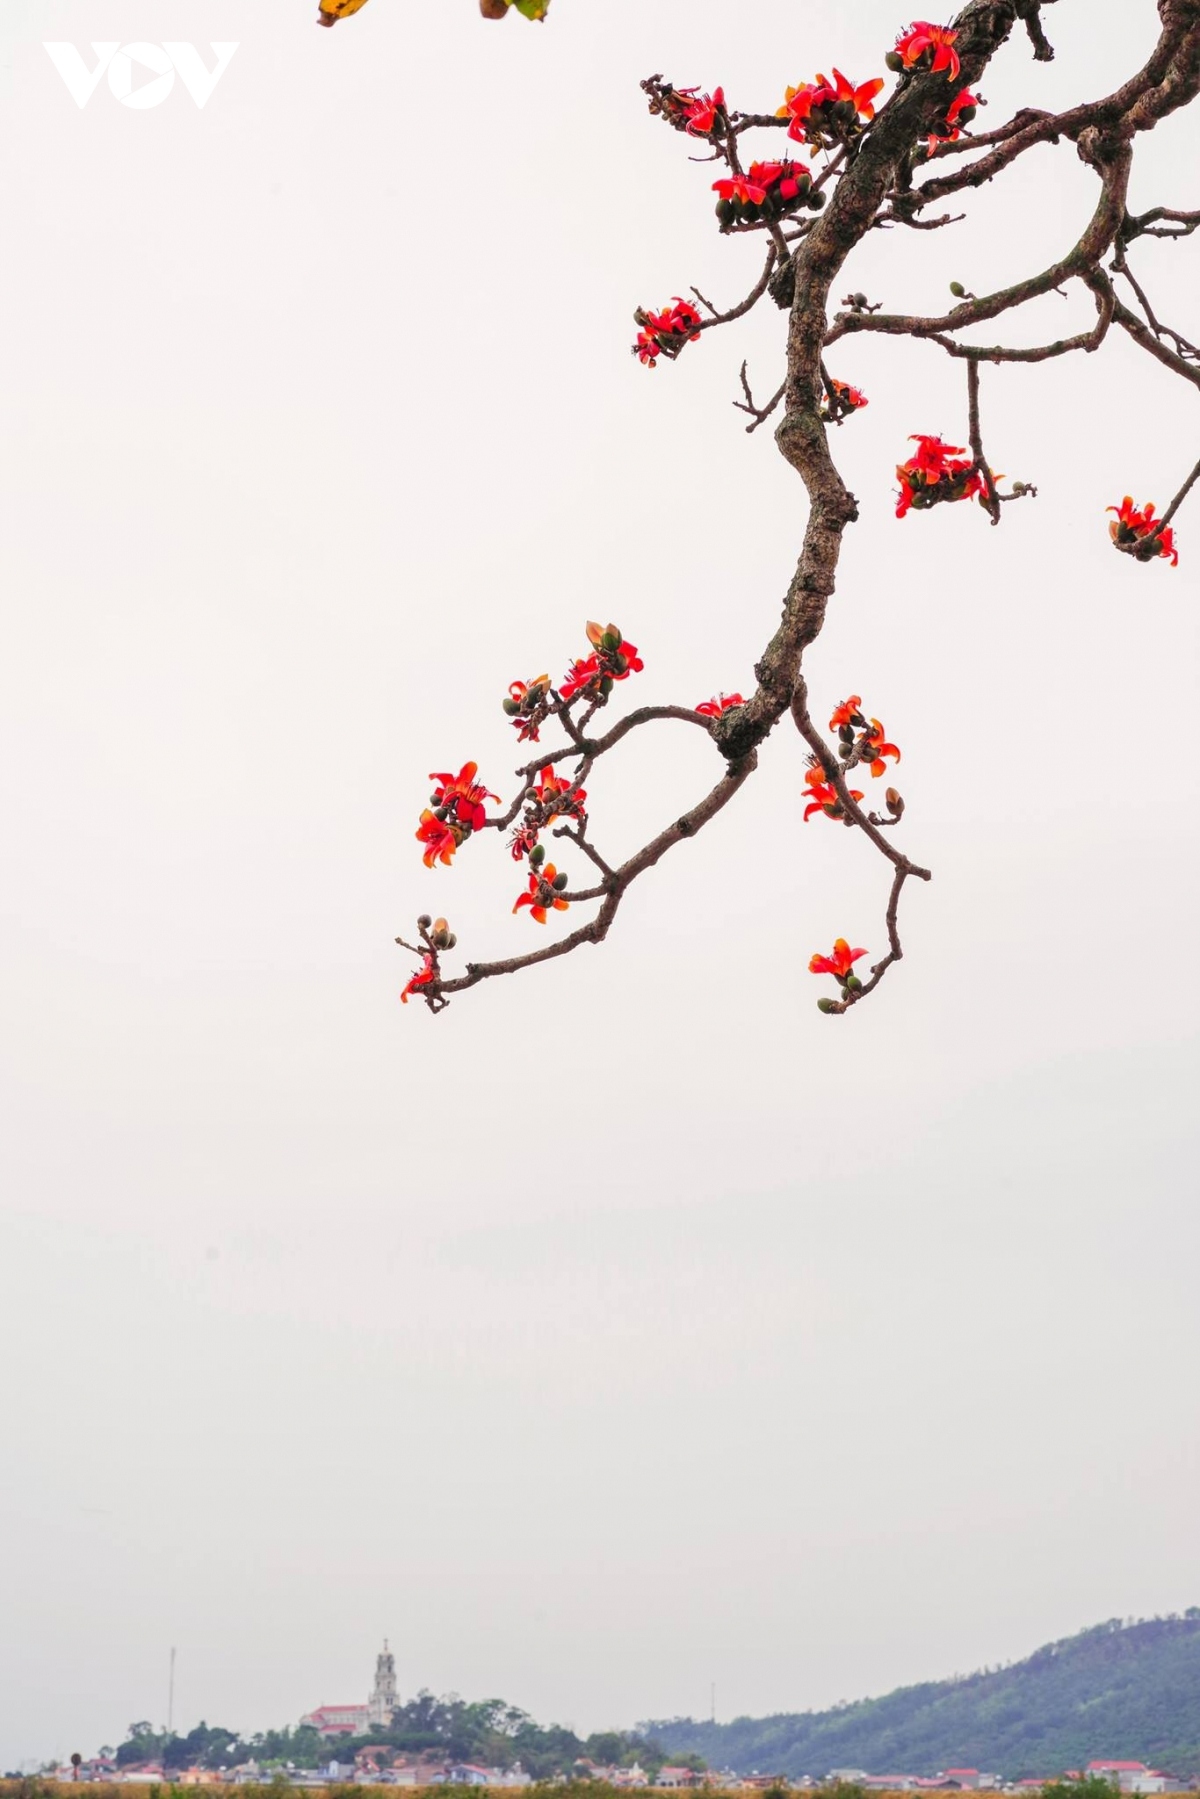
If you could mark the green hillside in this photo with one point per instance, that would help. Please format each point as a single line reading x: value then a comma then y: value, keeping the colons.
x: 1118, y: 1691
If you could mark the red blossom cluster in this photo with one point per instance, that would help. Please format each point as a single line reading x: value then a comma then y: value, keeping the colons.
x: 457, y: 811
x: 861, y: 739
x: 840, y: 964
x: 719, y: 705
x: 925, y: 48
x: 553, y: 797
x: 938, y: 471
x: 823, y: 795
x: 840, y: 400
x: 1137, y: 532
x: 960, y: 112
x: 665, y: 333
x: 825, y: 113
x: 768, y: 190
x: 438, y: 936
x: 545, y: 888
x: 701, y: 112
x: 527, y: 704
x: 612, y: 659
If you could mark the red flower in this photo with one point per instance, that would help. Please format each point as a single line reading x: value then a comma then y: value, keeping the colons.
x: 583, y: 672
x: 740, y: 188
x: 839, y: 963
x: 462, y: 794
x: 925, y: 46
x: 701, y: 113
x: 424, y: 976
x: 847, y: 714
x: 1136, y: 531
x: 552, y: 788
x: 525, y: 705
x: 613, y: 659
x: 936, y: 473
x: 876, y: 748
x: 841, y: 401
x: 823, y: 795
x: 665, y: 333
x: 961, y: 111
x: 440, y: 839
x: 720, y: 704
x: 836, y: 108
x: 545, y: 891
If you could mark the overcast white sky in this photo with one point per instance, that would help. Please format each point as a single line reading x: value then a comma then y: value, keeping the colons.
x: 632, y: 1327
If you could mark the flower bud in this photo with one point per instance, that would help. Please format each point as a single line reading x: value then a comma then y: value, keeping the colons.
x: 611, y: 639
x: 451, y: 940
x: 895, y: 801
x: 560, y: 880
x: 815, y: 200
x: 894, y: 61
x: 512, y: 707
x: 958, y: 290
x: 853, y: 984
x: 537, y: 856
x: 424, y: 922
x: 826, y: 1005
x: 439, y: 936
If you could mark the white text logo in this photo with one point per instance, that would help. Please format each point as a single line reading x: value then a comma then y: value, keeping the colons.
x: 140, y: 75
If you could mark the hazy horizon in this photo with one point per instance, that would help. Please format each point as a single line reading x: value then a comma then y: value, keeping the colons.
x: 630, y: 1327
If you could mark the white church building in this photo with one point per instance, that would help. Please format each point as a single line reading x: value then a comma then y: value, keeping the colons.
x: 334, y: 1721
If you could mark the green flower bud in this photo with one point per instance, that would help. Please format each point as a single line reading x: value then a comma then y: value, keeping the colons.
x: 853, y: 984
x: 606, y: 686
x: 894, y: 61
x: 826, y: 1005
x: 611, y: 640
x: 511, y: 706
x: 424, y: 922
x: 560, y: 880
x: 816, y: 200
x: 958, y: 290
x: 537, y: 856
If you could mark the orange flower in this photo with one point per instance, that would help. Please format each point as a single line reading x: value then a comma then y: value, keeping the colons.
x: 1136, y: 531
x: 877, y: 748
x: 526, y: 706
x: 823, y: 796
x: 925, y: 46
x: 848, y: 714
x: 839, y: 963
x: 545, y: 891
x: 549, y: 792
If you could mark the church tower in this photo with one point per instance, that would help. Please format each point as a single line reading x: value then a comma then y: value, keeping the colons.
x: 383, y: 1701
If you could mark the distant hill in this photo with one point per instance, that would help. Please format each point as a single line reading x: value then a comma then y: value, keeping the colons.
x: 1117, y: 1691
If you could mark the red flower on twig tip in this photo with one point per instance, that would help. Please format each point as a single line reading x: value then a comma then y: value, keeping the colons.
x: 821, y: 108
x: 936, y: 472
x: 1136, y: 531
x: 766, y: 190
x: 526, y: 706
x: 701, y: 112
x: 876, y: 747
x: 720, y: 704
x: 440, y: 839
x: 665, y: 333
x: 823, y: 796
x: 847, y: 714
x: 839, y: 963
x: 613, y: 659
x: 424, y: 977
x: 545, y: 891
x: 925, y: 46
